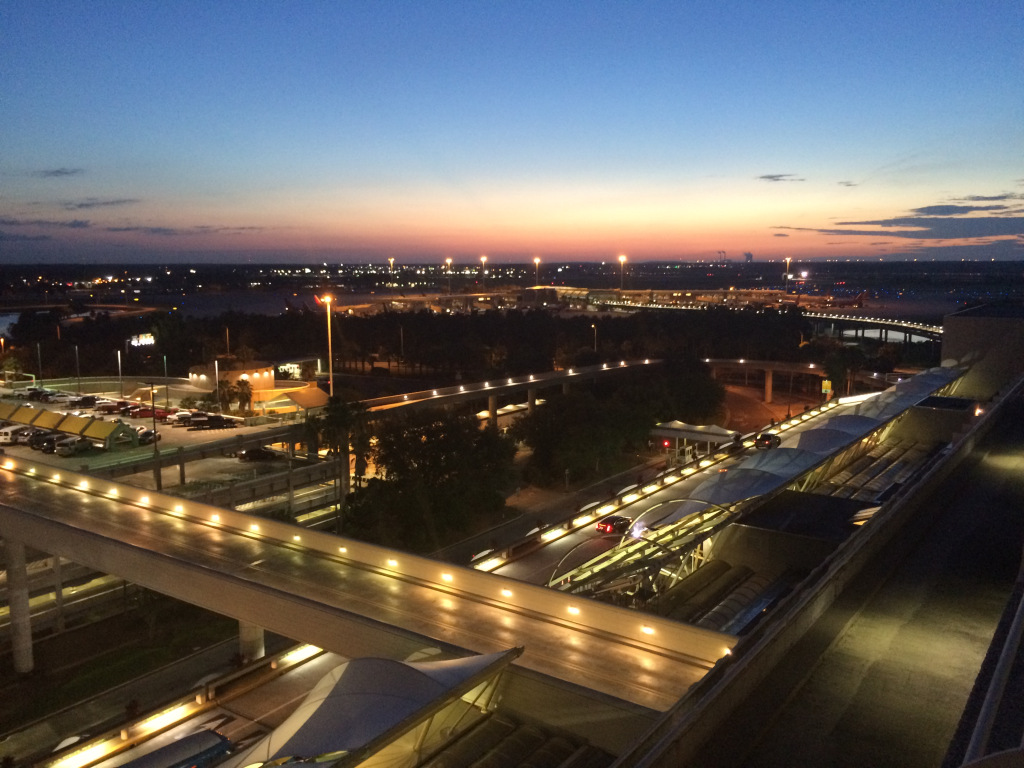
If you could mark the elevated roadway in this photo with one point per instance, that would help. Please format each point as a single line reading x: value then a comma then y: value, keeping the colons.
x: 345, y: 596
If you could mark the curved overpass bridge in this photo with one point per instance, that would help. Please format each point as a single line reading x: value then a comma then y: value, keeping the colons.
x: 339, y: 594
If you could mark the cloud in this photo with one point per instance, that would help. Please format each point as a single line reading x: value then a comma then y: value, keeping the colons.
x: 58, y: 173
x: 781, y: 234
x: 779, y: 177
x: 72, y: 224
x: 8, y: 237
x: 992, y: 198
x: 163, y: 231
x: 954, y: 210
x: 847, y: 183
x: 93, y: 202
x: 928, y: 228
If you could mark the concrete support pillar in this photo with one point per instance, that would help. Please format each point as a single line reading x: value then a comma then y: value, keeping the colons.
x: 17, y: 597
x: 250, y: 641
x: 58, y: 592
x: 181, y: 466
x: 158, y: 474
x: 768, y: 385
x: 492, y: 411
x: 531, y: 400
x: 885, y: 335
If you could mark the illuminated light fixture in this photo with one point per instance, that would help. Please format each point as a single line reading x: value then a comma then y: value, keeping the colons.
x: 570, y: 371
x: 405, y: 397
x: 56, y: 478
x: 487, y: 385
x: 462, y: 388
x: 742, y: 360
x: 446, y: 577
x: 160, y: 721
x: 978, y: 411
x: 392, y: 563
x: 435, y: 393
x: 650, y: 488
x: 144, y: 500
x: 573, y: 610
x: 8, y: 465
x: 84, y: 485
x: 301, y: 653
x: 343, y: 550
x: 254, y: 527
x: 531, y: 377
x: 489, y: 565
x: 810, y: 365
x: 84, y: 757
x: 689, y: 470
x: 622, y: 363
x: 647, y: 630
x: 706, y: 463
x: 32, y: 470
x: 728, y: 652
x: 646, y: 362
x: 216, y: 518
x: 582, y: 520
x: 510, y: 381
x: 296, y: 538
x: 553, y: 534
x: 670, y: 479
x: 630, y: 498
x: 506, y: 593
x: 112, y: 492
x: 604, y: 366
x: 178, y: 509
x: 606, y: 509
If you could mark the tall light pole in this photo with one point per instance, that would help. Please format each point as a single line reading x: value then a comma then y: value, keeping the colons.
x: 216, y: 383
x: 78, y: 371
x: 788, y: 259
x: 448, y: 261
x: 594, y: 327
x: 483, y: 267
x: 120, y: 381
x: 536, y: 264
x: 622, y: 271
x: 167, y: 387
x: 39, y: 359
x: 330, y: 350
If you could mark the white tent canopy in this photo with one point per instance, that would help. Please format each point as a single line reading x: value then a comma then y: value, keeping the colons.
x: 709, y: 433
x: 362, y: 699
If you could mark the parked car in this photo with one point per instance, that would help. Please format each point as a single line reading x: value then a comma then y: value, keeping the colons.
x: 147, y: 411
x: 211, y: 421
x: 110, y: 406
x: 24, y: 436
x: 49, y: 443
x: 36, y: 441
x: 148, y: 436
x: 72, y: 446
x: 257, y: 454
x: 766, y: 440
x: 614, y: 524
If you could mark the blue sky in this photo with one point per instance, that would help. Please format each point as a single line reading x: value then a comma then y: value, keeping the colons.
x: 354, y: 131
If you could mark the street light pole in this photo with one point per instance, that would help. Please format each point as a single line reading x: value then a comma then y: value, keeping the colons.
x: 594, y: 327
x: 120, y: 381
x: 536, y: 263
x: 622, y: 271
x: 786, y: 289
x: 448, y: 261
x: 330, y: 350
x: 483, y: 267
x: 39, y: 359
x: 78, y: 371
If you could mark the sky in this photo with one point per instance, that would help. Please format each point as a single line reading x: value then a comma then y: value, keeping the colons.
x: 353, y: 131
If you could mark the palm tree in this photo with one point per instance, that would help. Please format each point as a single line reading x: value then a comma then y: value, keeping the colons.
x: 243, y: 390
x: 335, y: 428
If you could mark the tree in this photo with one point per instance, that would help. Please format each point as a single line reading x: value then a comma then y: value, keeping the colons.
x: 334, y: 428
x: 243, y: 391
x: 436, y: 473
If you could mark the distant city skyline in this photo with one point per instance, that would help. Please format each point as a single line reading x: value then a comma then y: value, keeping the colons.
x: 201, y: 132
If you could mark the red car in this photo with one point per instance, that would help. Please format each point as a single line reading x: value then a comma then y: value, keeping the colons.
x: 146, y: 412
x: 614, y: 524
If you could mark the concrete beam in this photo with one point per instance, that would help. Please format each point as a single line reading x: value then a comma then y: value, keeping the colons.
x: 17, y: 597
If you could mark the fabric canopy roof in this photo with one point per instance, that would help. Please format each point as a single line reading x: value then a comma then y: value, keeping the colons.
x: 360, y: 700
x: 703, y: 433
